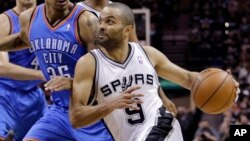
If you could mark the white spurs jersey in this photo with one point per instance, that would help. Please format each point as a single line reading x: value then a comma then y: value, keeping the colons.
x: 82, y: 3
x: 113, y: 77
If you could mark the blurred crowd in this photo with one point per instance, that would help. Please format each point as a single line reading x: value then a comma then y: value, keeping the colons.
x: 219, y: 36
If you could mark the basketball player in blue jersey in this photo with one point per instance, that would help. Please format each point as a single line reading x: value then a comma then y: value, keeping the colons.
x: 22, y: 102
x: 96, y: 6
x: 122, y: 77
x: 59, y: 33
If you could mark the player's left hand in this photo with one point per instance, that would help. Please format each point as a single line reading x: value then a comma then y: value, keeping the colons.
x: 170, y: 106
x: 58, y: 83
x: 237, y: 86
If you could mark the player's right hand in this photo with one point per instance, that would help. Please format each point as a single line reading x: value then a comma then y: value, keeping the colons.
x: 127, y: 99
x: 58, y: 83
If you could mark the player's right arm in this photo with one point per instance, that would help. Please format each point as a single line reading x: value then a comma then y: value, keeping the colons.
x: 11, y: 70
x: 82, y: 114
x: 19, y: 40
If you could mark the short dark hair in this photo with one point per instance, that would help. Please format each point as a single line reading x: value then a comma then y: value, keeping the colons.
x: 126, y: 12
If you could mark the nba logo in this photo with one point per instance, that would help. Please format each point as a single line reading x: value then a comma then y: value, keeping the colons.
x: 140, y: 59
x: 68, y: 27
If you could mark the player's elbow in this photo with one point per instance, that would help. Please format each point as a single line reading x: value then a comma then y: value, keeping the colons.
x: 76, y: 118
x: 73, y: 121
x: 4, y: 69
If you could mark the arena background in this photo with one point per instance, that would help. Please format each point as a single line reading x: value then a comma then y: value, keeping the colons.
x: 195, y: 35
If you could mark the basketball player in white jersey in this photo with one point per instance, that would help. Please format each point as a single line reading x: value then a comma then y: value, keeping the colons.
x: 96, y: 7
x: 122, y: 77
x: 132, y: 113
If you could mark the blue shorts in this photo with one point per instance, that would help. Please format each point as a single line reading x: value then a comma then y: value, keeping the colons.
x: 55, y: 126
x: 19, y: 110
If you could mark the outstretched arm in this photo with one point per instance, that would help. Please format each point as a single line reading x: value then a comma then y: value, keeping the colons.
x: 82, y: 114
x: 16, y: 72
x: 168, y: 70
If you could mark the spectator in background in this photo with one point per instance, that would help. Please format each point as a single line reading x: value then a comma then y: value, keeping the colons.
x: 206, y: 133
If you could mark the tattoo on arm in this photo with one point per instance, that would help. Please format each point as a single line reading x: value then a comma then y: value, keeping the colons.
x: 92, y: 23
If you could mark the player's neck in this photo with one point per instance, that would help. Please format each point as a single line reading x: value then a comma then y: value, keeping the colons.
x: 54, y: 16
x: 97, y: 4
x: 118, y: 53
x: 19, y: 8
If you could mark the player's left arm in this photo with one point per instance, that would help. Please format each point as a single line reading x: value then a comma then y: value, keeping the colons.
x: 88, y: 29
x: 168, y: 70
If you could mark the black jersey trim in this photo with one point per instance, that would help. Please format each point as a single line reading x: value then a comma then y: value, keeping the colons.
x: 92, y: 98
x: 115, y: 63
x: 15, y: 12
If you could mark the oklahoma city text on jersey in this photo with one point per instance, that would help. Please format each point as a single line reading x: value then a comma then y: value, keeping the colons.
x: 53, y: 44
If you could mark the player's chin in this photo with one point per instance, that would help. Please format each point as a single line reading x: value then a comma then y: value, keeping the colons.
x: 29, y: 2
x: 102, y: 40
x: 61, y: 5
x: 60, y: 8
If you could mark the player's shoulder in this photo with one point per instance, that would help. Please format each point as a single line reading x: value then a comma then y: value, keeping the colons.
x: 149, y: 49
x: 4, y: 19
x: 26, y: 15
x: 87, y: 59
x: 5, y: 25
x: 153, y: 54
x: 87, y: 16
x: 87, y: 19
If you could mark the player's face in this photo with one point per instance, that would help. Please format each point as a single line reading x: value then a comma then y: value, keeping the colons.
x: 27, y: 2
x: 110, y: 27
x: 58, y: 5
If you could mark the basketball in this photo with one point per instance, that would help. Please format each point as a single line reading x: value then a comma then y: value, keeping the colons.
x: 213, y: 91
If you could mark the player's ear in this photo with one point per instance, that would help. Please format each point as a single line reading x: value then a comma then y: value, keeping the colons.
x: 128, y: 29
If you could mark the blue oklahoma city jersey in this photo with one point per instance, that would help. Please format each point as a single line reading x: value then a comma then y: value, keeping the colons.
x: 23, y: 58
x: 57, y: 47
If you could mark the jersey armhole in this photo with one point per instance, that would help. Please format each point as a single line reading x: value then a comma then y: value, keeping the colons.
x: 92, y: 98
x: 145, y: 53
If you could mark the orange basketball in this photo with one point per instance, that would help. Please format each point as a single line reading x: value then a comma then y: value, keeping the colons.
x: 213, y: 91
